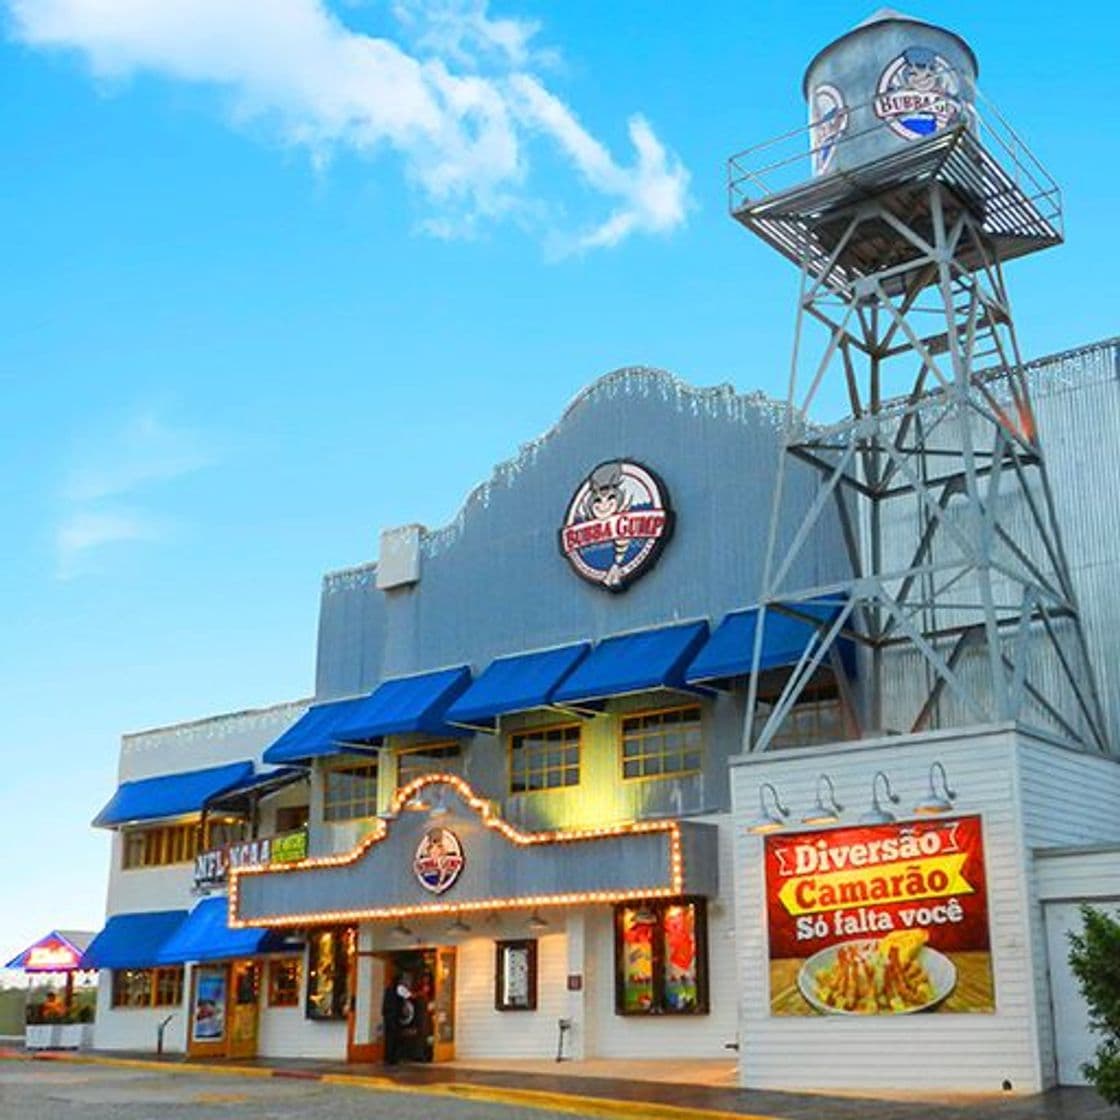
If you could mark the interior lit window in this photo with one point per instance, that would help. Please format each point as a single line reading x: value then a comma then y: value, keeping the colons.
x: 428, y: 758
x: 544, y: 758
x: 283, y: 982
x: 810, y: 722
x: 662, y: 744
x: 350, y: 792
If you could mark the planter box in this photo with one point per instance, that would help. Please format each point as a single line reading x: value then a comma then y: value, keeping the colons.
x: 59, y: 1036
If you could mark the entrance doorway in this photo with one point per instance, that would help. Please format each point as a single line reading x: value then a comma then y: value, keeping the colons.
x: 225, y: 1010
x: 427, y: 1028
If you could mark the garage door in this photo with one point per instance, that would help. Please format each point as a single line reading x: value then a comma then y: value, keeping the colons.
x: 1075, y: 1042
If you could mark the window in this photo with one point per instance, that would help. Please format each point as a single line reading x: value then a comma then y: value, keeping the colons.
x: 661, y: 958
x: 547, y: 758
x: 662, y: 744
x: 291, y: 818
x: 328, y: 973
x: 429, y: 758
x: 147, y: 987
x: 515, y: 975
x: 350, y: 792
x: 159, y: 847
x: 283, y: 982
x: 809, y: 722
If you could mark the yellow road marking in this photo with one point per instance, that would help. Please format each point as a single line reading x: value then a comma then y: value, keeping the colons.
x: 574, y: 1104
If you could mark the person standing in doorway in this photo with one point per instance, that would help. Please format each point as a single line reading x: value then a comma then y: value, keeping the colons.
x: 397, y: 1013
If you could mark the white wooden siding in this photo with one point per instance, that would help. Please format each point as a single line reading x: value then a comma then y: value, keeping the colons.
x: 483, y: 1032
x: 134, y: 1028
x: 973, y: 1051
x: 1068, y: 798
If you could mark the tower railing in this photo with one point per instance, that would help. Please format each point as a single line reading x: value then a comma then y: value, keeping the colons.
x: 786, y: 164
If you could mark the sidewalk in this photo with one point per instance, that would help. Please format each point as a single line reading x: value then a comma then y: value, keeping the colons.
x: 595, y: 1089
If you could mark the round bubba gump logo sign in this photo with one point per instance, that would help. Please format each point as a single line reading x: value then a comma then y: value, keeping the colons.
x: 617, y: 523
x: 919, y: 94
x: 439, y: 860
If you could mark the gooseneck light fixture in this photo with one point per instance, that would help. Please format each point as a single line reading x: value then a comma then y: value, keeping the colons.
x: 827, y: 810
x: 401, y: 932
x: 536, y: 923
x: 940, y: 799
x: 877, y: 814
x: 771, y: 817
x: 458, y: 926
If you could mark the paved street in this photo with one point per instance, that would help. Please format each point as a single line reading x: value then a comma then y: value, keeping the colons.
x: 48, y: 1091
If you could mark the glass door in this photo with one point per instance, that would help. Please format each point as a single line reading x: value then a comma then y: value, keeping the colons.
x: 443, y: 1006
x: 244, y: 1009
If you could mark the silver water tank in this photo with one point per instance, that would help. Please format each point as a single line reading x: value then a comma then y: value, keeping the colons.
x: 886, y: 83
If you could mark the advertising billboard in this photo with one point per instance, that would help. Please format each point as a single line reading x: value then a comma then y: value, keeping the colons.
x: 883, y: 919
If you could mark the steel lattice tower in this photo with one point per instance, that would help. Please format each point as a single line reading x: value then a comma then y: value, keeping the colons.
x: 954, y: 590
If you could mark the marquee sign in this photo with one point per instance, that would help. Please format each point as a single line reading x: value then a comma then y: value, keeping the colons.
x: 617, y: 523
x: 51, y: 957
x: 879, y: 920
x: 438, y: 862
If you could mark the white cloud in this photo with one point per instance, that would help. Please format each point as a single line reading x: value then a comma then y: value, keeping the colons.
x: 84, y: 531
x: 145, y: 449
x: 106, y: 494
x: 461, y: 106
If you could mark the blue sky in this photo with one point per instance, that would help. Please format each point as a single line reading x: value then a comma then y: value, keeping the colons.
x: 280, y: 278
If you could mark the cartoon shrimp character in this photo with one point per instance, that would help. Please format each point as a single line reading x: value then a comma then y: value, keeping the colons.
x: 606, y: 496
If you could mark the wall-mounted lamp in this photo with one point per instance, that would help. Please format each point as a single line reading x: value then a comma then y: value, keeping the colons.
x: 536, y: 923
x: 401, y: 932
x: 939, y: 800
x: 458, y: 926
x: 877, y: 814
x: 771, y: 817
x: 824, y: 811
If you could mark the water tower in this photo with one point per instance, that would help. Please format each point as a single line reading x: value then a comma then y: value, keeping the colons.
x: 900, y: 204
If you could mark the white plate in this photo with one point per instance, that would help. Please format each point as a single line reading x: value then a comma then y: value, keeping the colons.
x: 941, y: 971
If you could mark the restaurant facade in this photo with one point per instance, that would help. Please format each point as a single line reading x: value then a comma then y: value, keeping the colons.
x: 521, y: 782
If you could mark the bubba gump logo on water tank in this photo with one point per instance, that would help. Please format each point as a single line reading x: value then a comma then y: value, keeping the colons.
x: 918, y: 94
x: 439, y: 860
x: 617, y: 523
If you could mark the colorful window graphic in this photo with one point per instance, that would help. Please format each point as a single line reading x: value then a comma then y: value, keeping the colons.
x: 661, y: 958
x: 208, y: 1021
x: 328, y: 973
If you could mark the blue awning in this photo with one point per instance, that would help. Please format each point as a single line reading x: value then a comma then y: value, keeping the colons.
x: 635, y: 662
x: 404, y: 705
x: 170, y: 795
x: 132, y: 940
x: 730, y: 650
x: 262, y: 782
x: 206, y: 936
x: 515, y: 684
x: 313, y: 734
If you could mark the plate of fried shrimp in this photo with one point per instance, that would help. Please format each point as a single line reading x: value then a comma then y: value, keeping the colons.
x: 897, y: 974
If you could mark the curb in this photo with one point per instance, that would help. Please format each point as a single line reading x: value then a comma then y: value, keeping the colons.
x: 576, y: 1104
